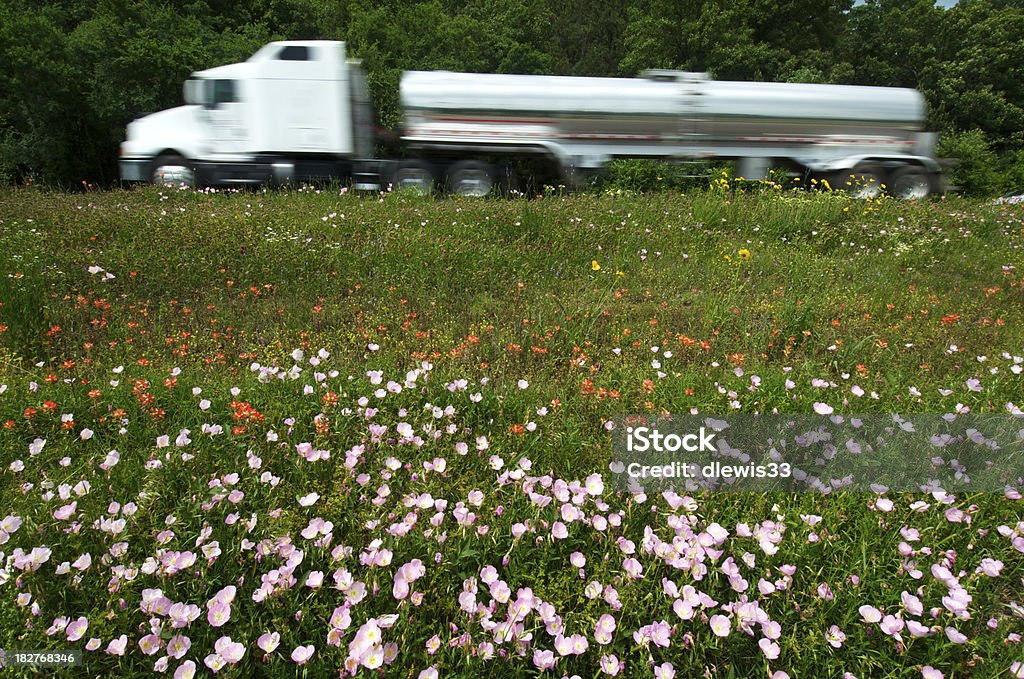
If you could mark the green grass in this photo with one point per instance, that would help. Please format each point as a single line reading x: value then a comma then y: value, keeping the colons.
x: 570, y: 294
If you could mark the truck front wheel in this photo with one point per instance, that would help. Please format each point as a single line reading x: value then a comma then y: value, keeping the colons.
x: 172, y: 171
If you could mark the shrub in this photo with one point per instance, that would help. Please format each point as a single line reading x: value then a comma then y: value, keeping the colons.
x: 977, y: 170
x: 644, y: 175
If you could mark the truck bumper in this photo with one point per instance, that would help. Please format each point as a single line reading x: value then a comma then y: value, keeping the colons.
x: 133, y: 170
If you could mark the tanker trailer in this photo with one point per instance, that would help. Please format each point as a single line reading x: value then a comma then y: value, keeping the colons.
x: 464, y: 126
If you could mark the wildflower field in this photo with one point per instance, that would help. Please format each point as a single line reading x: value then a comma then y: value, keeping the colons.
x: 308, y: 433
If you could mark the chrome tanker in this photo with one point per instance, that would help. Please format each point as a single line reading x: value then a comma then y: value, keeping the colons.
x: 875, y: 134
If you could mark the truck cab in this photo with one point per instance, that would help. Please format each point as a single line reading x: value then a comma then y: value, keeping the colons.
x: 293, y: 110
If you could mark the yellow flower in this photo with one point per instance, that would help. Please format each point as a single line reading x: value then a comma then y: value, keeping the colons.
x: 744, y: 254
x: 620, y: 273
x: 595, y: 266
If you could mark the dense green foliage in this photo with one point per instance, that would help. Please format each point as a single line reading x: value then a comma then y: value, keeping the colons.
x: 74, y: 73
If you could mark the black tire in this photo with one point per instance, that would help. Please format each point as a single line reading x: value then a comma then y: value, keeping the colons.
x: 171, y: 170
x: 863, y: 182
x: 471, y: 178
x: 414, y: 175
x: 911, y: 183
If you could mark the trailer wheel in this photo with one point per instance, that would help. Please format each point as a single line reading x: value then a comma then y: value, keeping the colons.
x: 172, y: 170
x: 471, y: 178
x: 864, y: 182
x: 911, y: 183
x: 414, y: 175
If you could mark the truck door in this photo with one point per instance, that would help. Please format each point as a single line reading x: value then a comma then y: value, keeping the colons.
x: 225, y: 112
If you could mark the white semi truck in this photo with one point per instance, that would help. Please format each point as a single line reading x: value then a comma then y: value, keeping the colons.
x: 300, y: 111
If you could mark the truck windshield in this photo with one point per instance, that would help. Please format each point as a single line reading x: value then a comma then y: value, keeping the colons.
x: 194, y: 91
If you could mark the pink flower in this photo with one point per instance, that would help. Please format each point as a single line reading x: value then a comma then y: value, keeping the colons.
x: 659, y: 633
x: 610, y: 665
x: 721, y: 625
x: 76, y: 629
x: 220, y: 613
x: 178, y: 645
x: 187, y: 670
x: 823, y: 408
x: 150, y: 644
x: 65, y: 512
x: 231, y: 651
x: 912, y: 603
x: 664, y: 671
x: 302, y: 654
x: 916, y: 629
x: 769, y: 648
x: 892, y: 625
x: 215, y: 662
x: 870, y: 613
x: 117, y: 646
x: 835, y: 636
x: 182, y: 614
x: 929, y: 672
x: 955, y: 635
x: 990, y: 567
x: 543, y: 660
x: 269, y: 641
x: 429, y: 673
x: 604, y: 629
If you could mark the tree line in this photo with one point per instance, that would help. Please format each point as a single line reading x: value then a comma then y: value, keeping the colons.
x: 73, y: 73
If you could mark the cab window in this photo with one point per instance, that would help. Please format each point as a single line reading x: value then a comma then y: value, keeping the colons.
x: 294, y: 53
